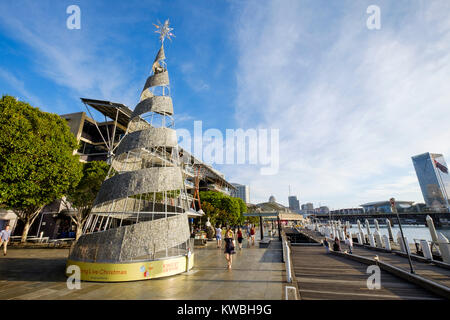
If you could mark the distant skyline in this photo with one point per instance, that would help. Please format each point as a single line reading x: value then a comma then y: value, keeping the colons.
x: 352, y: 105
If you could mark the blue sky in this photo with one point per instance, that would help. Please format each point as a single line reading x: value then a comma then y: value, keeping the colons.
x: 352, y: 105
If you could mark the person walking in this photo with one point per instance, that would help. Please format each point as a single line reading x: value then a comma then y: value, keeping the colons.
x: 4, y: 238
x: 229, y: 247
x: 252, y: 234
x: 336, y: 245
x: 349, y: 243
x: 326, y: 245
x: 247, y: 234
x: 239, y: 238
x: 219, y: 236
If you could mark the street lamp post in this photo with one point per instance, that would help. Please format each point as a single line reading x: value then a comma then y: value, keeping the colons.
x: 394, y: 209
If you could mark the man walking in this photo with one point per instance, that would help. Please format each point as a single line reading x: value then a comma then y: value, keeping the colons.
x: 219, y: 236
x: 349, y: 243
x: 4, y: 238
x: 326, y: 245
x: 247, y: 234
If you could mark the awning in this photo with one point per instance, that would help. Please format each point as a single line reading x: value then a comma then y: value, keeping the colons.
x: 110, y: 110
x: 194, y: 214
x: 7, y: 215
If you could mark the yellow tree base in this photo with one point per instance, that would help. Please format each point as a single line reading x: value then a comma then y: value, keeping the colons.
x: 132, y: 271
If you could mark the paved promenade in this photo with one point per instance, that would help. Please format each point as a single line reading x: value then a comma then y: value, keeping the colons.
x: 256, y: 274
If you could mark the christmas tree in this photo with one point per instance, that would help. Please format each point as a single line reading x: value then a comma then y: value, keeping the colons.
x: 141, y: 210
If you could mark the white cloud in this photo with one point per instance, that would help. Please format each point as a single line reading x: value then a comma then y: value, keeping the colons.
x: 352, y: 105
x: 75, y: 59
x: 19, y: 86
x: 183, y: 117
x: 192, y: 78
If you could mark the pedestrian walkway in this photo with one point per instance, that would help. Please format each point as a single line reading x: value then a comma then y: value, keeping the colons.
x: 256, y: 274
x: 426, y: 270
x: 325, y: 276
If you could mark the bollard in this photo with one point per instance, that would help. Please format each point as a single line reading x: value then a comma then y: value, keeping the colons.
x: 433, y: 233
x: 371, y: 240
x: 426, y: 249
x: 389, y: 227
x: 432, y: 229
x: 402, y: 245
x: 363, y: 237
x: 343, y: 237
x: 444, y: 246
x: 359, y: 226
x: 378, y: 239
x: 387, y: 243
x: 368, y: 227
x: 360, y: 241
x: 377, y: 227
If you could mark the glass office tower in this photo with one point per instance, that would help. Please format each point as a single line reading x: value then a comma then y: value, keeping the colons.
x: 242, y: 191
x: 294, y: 204
x: 434, y: 180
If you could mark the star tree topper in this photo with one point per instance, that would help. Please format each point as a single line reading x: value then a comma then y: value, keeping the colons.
x: 164, y: 31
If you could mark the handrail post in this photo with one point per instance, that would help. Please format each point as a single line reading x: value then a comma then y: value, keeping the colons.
x: 287, y: 261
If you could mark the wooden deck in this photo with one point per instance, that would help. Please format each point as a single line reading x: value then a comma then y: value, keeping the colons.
x: 324, y: 276
x: 427, y: 270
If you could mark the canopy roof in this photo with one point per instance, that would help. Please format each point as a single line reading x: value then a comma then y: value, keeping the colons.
x: 384, y: 203
x: 110, y: 110
x: 274, y: 215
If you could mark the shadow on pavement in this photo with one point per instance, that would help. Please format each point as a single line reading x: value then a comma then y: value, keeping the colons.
x: 32, y: 269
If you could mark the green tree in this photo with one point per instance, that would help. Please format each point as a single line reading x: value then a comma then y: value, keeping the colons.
x: 37, y: 161
x: 81, y: 197
x: 243, y: 209
x: 222, y: 209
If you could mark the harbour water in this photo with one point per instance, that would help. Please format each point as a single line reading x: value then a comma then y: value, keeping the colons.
x: 410, y: 231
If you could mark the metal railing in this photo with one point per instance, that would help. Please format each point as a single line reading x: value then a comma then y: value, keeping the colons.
x: 290, y: 288
x: 287, y: 261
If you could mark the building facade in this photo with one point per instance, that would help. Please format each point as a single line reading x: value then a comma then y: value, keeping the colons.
x: 308, y: 206
x: 294, y: 204
x: 385, y: 206
x: 97, y: 142
x: 323, y: 210
x: 242, y: 191
x: 348, y: 211
x: 98, y: 139
x: 434, y: 180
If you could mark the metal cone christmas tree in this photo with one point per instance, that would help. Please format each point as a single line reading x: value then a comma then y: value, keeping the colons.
x: 140, y: 214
